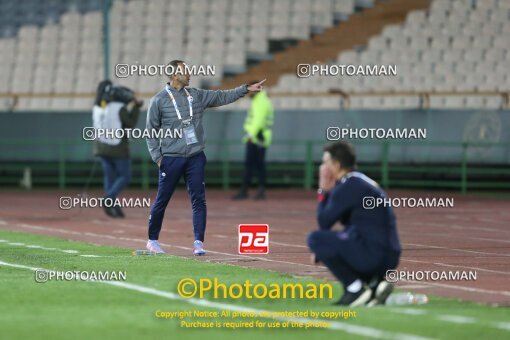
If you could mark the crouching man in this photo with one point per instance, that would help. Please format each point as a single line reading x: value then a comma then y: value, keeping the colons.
x: 368, y: 246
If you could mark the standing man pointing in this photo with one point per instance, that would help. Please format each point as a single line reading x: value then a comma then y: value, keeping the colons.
x: 180, y: 108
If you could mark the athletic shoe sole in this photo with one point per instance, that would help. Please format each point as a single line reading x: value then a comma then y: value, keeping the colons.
x: 362, y: 299
x: 382, y: 292
x: 152, y: 249
x: 198, y: 248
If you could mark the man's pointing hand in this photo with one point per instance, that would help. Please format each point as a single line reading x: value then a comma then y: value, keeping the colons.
x: 257, y: 86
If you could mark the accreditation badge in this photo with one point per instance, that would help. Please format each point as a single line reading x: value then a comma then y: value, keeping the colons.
x: 189, y: 132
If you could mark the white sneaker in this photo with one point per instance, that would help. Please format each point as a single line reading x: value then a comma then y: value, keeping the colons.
x: 153, y: 245
x: 198, y: 248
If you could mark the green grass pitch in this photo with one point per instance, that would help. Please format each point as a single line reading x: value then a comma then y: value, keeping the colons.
x: 94, y: 310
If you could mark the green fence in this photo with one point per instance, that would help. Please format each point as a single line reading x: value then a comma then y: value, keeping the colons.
x: 462, y: 175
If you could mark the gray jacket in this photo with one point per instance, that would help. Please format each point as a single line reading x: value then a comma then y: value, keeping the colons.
x: 162, y: 115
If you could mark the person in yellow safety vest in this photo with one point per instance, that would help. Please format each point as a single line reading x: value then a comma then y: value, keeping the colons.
x: 257, y: 125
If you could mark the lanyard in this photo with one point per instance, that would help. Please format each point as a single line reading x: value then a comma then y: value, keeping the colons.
x: 190, y: 101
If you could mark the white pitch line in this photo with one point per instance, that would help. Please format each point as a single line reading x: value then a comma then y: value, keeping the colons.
x: 457, y: 266
x: 127, y: 225
x: 460, y: 227
x: 468, y: 289
x: 503, y: 325
x: 120, y: 224
x: 65, y: 231
x: 488, y: 239
x: 288, y: 244
x: 270, y: 242
x: 413, y: 287
x: 455, y: 226
x: 408, y: 311
x: 259, y: 258
x: 403, y: 259
x: 484, y: 219
x: 436, y: 234
x: 333, y: 325
x: 456, y: 249
x: 246, y: 256
x: 412, y: 244
x: 35, y: 246
x: 36, y: 227
x: 456, y: 319
x: 227, y: 259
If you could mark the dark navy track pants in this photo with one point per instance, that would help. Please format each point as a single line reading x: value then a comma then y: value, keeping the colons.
x: 170, y: 172
x: 349, y: 257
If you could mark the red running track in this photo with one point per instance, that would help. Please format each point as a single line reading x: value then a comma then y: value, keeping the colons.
x: 472, y: 236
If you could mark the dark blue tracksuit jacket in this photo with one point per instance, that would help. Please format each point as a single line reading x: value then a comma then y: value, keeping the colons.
x: 369, y: 245
x: 344, y: 204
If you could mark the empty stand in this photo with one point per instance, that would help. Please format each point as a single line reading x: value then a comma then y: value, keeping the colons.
x: 455, y: 46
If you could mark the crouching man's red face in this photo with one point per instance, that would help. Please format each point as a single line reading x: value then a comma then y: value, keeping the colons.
x: 332, y: 164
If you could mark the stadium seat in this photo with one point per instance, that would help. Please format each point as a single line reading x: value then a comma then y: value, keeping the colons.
x: 78, y: 26
x: 453, y: 46
x: 61, y: 42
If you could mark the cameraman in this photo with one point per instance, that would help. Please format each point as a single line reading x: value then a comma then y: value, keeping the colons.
x: 115, y: 107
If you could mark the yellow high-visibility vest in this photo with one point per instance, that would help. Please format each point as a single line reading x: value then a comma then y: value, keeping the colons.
x: 259, y: 119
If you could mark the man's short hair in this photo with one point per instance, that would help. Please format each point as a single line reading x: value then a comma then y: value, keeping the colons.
x: 175, y: 64
x: 342, y: 152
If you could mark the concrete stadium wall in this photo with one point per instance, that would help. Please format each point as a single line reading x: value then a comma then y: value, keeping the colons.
x: 442, y: 126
